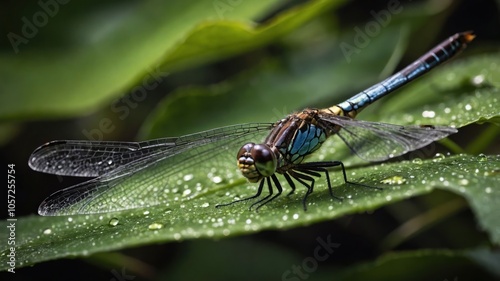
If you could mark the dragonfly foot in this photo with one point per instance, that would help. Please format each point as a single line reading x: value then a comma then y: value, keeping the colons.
x: 365, y: 185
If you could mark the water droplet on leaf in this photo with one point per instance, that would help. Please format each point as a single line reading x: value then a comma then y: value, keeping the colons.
x: 417, y: 161
x: 113, y: 222
x: 428, y: 114
x: 216, y: 179
x: 155, y: 226
x: 438, y: 157
x: 188, y: 177
x: 394, y: 180
x: 482, y: 157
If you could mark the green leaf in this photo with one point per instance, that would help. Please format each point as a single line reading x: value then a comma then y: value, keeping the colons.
x: 473, y: 177
x: 218, y: 39
x: 84, y: 68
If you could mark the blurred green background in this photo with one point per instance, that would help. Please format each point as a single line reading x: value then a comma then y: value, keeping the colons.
x: 133, y: 70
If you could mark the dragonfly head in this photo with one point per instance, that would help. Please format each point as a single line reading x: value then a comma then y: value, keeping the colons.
x: 256, y: 161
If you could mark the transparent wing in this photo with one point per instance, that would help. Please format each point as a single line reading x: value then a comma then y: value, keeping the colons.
x: 375, y: 141
x: 164, y: 172
x: 89, y: 158
x: 94, y: 158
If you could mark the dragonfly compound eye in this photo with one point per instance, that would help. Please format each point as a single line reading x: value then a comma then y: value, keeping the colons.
x: 256, y: 161
x: 265, y: 159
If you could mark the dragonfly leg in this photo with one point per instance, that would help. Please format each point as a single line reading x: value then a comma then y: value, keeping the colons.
x: 264, y: 200
x: 354, y: 183
x: 300, y: 177
x: 312, y: 169
x: 259, y: 191
x: 290, y: 182
x: 269, y: 187
x: 321, y: 167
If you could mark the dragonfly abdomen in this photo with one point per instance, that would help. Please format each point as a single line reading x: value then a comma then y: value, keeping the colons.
x: 439, y: 54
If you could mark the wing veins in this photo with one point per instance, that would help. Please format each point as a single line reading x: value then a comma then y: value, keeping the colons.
x: 375, y: 141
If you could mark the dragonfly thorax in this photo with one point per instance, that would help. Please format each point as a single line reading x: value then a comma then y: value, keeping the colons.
x: 256, y: 161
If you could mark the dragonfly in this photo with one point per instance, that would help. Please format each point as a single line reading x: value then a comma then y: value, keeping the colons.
x: 127, y: 175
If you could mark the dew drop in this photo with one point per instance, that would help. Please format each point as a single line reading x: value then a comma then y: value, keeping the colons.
x: 186, y: 192
x: 468, y: 107
x: 113, y: 222
x: 47, y: 231
x: 428, y: 114
x: 188, y: 177
x: 204, y: 205
x: 216, y: 179
x: 394, y: 180
x: 464, y: 182
x: 478, y: 80
x: 488, y: 190
x: 155, y: 226
x: 70, y: 219
x: 438, y: 157
x: 482, y: 157
x: 417, y: 161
